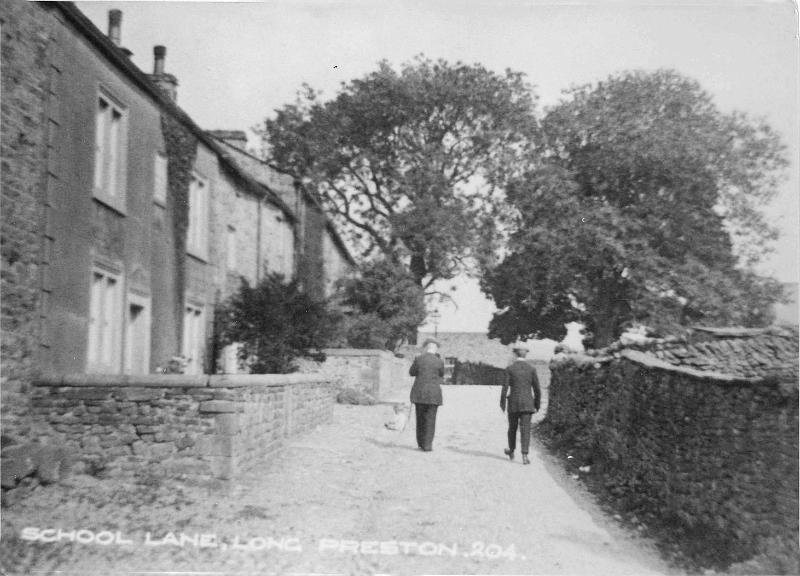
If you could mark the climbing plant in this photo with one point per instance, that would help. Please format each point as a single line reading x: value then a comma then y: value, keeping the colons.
x: 181, y: 149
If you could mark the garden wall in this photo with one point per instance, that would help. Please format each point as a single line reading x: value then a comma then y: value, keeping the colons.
x: 709, y: 459
x: 379, y: 372
x: 480, y: 374
x: 212, y: 426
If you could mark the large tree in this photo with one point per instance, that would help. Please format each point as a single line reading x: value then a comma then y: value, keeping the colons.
x: 383, y: 306
x: 641, y: 206
x: 411, y: 162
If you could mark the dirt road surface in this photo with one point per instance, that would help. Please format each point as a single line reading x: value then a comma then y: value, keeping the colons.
x: 349, y: 497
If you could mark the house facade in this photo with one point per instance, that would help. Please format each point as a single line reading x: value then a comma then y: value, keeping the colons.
x: 123, y: 223
x: 322, y: 257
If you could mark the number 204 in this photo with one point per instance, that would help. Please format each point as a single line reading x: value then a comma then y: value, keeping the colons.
x: 493, y: 551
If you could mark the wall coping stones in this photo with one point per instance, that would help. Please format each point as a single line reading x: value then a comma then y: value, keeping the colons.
x: 177, y: 380
x: 650, y: 361
x: 581, y: 358
x: 357, y: 352
x: 264, y: 380
x: 123, y: 380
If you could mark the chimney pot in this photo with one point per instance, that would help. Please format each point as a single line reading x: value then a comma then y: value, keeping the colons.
x: 115, y: 25
x: 167, y: 83
x: 159, y: 53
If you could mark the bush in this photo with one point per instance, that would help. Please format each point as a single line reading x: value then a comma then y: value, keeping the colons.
x: 273, y: 323
x: 382, y: 306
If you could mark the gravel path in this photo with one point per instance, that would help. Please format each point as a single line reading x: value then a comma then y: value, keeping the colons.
x: 347, y: 498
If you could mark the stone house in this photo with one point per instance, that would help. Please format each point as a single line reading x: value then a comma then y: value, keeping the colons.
x: 323, y: 258
x: 123, y: 222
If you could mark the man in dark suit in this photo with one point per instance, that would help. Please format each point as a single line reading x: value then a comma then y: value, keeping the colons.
x: 426, y: 394
x: 522, y: 387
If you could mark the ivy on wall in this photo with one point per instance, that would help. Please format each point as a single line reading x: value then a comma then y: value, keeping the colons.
x: 181, y: 149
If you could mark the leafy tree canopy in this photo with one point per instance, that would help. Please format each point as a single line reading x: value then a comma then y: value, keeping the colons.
x: 411, y: 162
x: 384, y: 305
x: 634, y: 209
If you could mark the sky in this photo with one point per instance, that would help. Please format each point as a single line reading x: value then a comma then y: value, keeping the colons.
x: 236, y: 62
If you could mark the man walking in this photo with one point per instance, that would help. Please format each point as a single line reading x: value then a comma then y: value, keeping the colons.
x: 523, y: 400
x: 426, y: 394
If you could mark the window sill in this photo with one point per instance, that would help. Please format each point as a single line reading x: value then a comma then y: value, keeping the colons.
x: 102, y: 369
x: 197, y: 256
x: 116, y: 204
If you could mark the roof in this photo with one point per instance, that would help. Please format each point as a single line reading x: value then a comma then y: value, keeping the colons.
x: 118, y: 58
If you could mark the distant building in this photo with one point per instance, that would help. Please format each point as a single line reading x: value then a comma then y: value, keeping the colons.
x: 474, y: 358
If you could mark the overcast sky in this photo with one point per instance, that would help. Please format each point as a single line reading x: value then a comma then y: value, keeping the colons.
x: 237, y: 62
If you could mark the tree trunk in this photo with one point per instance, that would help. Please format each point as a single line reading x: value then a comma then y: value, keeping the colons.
x: 608, y: 317
x: 418, y: 268
x: 604, y: 332
x: 418, y: 271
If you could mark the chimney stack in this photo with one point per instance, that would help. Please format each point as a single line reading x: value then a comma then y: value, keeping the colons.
x: 159, y: 52
x: 166, y: 82
x: 115, y: 26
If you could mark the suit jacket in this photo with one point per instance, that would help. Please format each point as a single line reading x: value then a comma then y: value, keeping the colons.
x: 428, y: 370
x: 522, y: 386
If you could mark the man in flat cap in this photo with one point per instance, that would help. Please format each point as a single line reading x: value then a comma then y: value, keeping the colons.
x: 522, y: 388
x: 426, y: 394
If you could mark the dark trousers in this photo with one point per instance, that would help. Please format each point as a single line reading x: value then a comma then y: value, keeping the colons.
x: 426, y: 425
x: 523, y: 421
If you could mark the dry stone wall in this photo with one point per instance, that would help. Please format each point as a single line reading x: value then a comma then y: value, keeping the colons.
x: 208, y: 426
x: 377, y: 372
x: 706, y: 458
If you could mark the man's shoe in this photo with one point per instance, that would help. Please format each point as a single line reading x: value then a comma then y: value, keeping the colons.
x: 510, y: 453
x: 525, y: 459
x: 427, y: 449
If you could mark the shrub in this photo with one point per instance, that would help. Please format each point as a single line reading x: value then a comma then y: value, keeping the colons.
x: 382, y: 306
x: 273, y: 323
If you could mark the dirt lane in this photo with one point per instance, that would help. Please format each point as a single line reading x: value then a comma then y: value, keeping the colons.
x: 347, y: 498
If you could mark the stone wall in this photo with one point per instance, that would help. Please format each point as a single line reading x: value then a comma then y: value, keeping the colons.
x: 378, y: 372
x: 206, y: 426
x: 704, y: 458
x: 747, y: 352
x: 23, y: 137
x: 478, y: 374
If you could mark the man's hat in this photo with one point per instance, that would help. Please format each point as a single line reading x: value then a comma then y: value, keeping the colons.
x: 430, y: 341
x: 520, y: 350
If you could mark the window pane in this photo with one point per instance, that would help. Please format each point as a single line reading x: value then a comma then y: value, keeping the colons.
x: 198, y: 217
x: 108, y: 334
x: 100, y: 143
x: 160, y: 173
x: 232, y: 249
x: 114, y: 141
x: 95, y: 317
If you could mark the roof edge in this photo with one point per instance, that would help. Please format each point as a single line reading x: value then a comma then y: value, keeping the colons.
x: 109, y: 50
